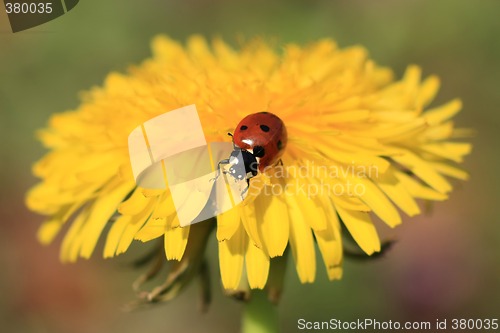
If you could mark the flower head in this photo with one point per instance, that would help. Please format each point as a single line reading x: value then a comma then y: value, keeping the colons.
x: 360, y: 144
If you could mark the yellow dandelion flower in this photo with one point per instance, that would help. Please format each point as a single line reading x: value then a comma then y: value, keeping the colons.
x: 360, y: 144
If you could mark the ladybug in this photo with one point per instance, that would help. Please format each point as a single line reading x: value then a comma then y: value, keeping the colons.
x: 259, y: 141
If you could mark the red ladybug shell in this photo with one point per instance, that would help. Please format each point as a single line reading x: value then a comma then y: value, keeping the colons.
x: 265, y: 134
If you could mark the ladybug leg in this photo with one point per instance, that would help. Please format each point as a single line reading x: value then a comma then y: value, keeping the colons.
x: 224, y: 161
x: 221, y: 162
x: 280, y: 162
x: 244, y: 192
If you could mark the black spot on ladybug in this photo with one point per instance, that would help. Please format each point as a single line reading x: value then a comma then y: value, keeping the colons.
x: 280, y: 145
x: 242, y: 128
x: 264, y: 128
x: 258, y: 151
x: 264, y: 112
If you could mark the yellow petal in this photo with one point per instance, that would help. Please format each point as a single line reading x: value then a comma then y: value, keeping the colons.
x: 363, y: 145
x: 428, y: 90
x: 231, y: 256
x: 70, y: 247
x: 443, y: 113
x: 439, y: 132
x: 400, y: 132
x: 361, y: 228
x: 51, y: 228
x: 166, y: 49
x: 175, y: 240
x: 114, y: 235
x: 247, y: 213
x: 376, y: 200
x: 257, y: 184
x: 350, y: 203
x: 148, y: 193
x: 451, y: 150
x: 47, y: 198
x: 348, y: 104
x: 397, y: 192
x: 398, y: 116
x: 424, y: 171
x: 154, y: 228
x: 330, y: 243
x: 225, y: 54
x: 101, y: 172
x: 364, y: 160
x: 302, y: 244
x: 133, y: 227
x: 165, y: 208
x: 450, y: 170
x: 101, y: 211
x: 272, y: 221
x: 134, y: 204
x: 412, y: 77
x: 309, y: 206
x: 48, y: 230
x: 342, y: 117
x: 257, y: 266
x: 418, y: 190
x: 227, y: 224
x: 199, y: 49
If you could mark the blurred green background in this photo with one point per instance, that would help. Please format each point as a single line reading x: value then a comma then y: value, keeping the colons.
x: 445, y: 265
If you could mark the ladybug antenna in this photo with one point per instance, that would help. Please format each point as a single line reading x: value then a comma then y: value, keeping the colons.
x: 235, y: 147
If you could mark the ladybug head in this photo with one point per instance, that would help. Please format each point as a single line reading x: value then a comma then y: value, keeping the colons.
x: 242, y: 163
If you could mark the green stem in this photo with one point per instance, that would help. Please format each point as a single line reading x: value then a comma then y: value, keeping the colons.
x: 259, y: 315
